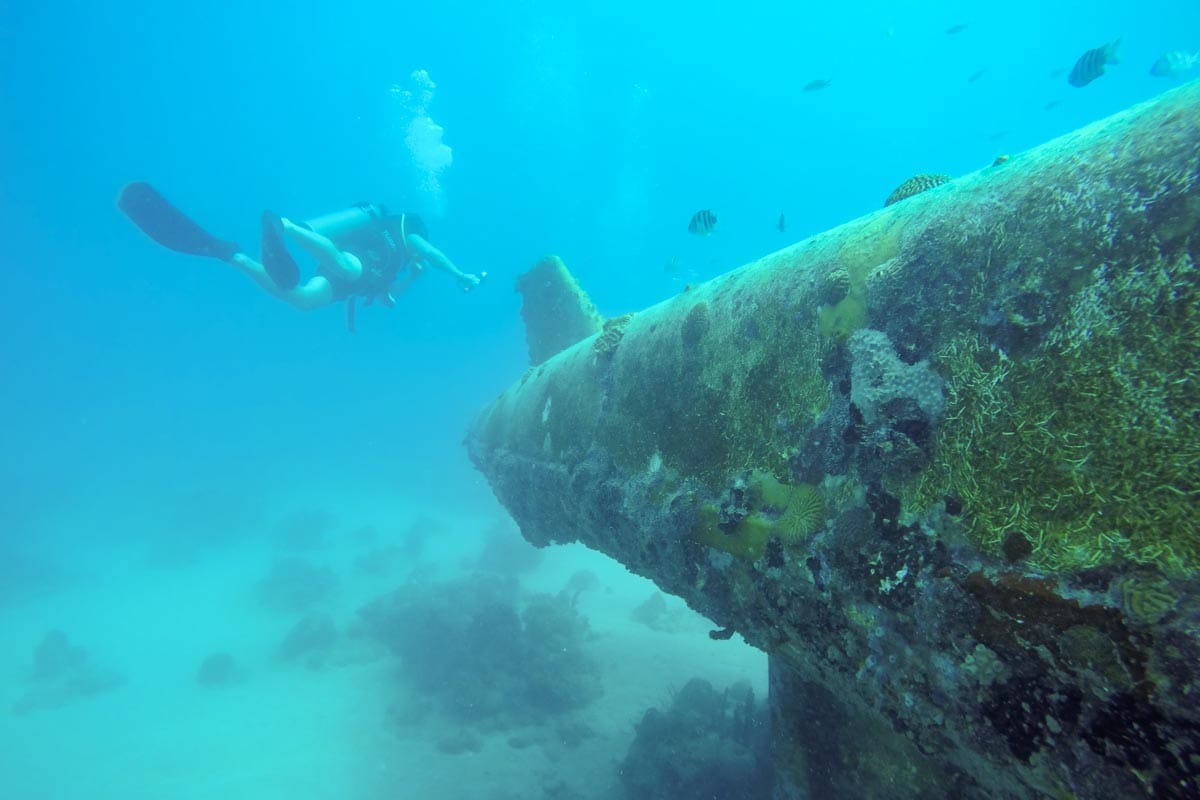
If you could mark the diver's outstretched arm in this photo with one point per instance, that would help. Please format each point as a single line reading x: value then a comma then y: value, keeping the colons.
x: 438, y: 259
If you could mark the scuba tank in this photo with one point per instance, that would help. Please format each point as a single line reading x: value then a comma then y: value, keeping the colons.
x: 347, y: 222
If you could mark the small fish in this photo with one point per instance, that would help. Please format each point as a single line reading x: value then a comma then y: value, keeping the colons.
x: 976, y: 75
x: 1057, y: 73
x: 817, y: 85
x: 1174, y: 64
x: 1053, y: 104
x: 1091, y: 64
x: 1001, y: 159
x: 703, y: 222
x: 781, y: 226
x: 672, y: 264
x: 915, y: 185
x: 954, y: 29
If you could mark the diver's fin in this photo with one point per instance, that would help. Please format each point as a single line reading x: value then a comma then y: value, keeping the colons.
x: 167, y: 225
x: 276, y: 259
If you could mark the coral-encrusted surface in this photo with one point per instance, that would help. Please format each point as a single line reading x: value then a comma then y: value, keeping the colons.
x: 942, y: 463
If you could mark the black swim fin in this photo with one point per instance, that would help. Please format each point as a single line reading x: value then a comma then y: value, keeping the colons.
x: 276, y: 259
x: 170, y: 227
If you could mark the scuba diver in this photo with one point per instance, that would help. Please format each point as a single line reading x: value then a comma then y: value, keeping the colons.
x: 361, y: 252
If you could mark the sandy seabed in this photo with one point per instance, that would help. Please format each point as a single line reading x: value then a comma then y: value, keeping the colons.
x: 281, y: 730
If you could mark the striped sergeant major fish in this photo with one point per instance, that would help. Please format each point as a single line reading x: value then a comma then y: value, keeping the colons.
x: 703, y: 222
x: 1091, y: 64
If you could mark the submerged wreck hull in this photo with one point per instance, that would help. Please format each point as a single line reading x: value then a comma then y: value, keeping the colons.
x: 941, y: 463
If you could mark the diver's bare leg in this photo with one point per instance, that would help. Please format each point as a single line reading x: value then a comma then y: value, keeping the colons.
x: 316, y: 292
x: 329, y: 255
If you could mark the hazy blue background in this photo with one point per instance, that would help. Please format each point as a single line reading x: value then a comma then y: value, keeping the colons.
x: 133, y: 376
x: 151, y: 401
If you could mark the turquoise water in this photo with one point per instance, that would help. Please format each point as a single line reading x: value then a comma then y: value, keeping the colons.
x: 165, y: 419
